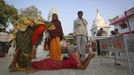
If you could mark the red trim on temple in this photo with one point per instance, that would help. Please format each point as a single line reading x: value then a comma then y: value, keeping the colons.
x: 127, y: 33
x: 122, y: 18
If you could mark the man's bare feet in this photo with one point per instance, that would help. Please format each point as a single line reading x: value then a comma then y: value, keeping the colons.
x: 92, y: 55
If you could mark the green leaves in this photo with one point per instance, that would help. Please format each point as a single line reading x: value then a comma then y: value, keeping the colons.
x: 8, y: 13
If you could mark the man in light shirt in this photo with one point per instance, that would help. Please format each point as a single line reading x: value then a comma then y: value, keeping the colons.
x: 80, y: 33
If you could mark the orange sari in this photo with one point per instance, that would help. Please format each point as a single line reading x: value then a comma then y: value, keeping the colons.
x: 55, y: 48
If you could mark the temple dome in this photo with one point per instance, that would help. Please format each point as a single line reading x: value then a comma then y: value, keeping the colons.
x: 99, y: 20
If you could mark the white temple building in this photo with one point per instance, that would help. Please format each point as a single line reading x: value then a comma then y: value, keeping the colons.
x: 98, y: 23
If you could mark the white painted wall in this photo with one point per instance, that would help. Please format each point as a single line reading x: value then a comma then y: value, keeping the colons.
x: 131, y: 23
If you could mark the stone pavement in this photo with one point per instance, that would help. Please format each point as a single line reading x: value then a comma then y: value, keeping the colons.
x: 96, y: 67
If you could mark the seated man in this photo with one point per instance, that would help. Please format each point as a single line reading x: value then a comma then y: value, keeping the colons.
x: 72, y: 62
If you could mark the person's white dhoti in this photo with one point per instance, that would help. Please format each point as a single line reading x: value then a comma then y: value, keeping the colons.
x: 41, y: 53
x: 11, y: 50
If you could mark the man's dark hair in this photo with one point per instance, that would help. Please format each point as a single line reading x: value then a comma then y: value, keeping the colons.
x: 80, y: 12
x: 112, y: 33
x: 101, y: 28
x: 133, y: 31
x: 115, y: 29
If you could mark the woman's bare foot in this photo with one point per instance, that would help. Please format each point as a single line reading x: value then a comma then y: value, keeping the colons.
x: 84, y: 64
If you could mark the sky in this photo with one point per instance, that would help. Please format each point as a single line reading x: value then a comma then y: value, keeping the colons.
x: 67, y: 9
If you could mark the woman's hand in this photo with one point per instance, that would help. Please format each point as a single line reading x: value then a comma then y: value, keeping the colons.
x: 52, y: 27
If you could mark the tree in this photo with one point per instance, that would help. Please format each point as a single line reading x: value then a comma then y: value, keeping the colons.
x: 70, y: 34
x: 30, y: 12
x: 8, y: 13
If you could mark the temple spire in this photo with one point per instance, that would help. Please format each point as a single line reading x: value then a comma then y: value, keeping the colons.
x: 97, y: 11
x: 51, y: 12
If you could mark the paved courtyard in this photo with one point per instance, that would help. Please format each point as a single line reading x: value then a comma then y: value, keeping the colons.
x: 96, y: 67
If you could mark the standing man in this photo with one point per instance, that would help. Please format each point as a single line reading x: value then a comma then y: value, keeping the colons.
x: 100, y: 32
x: 117, y: 55
x: 80, y: 33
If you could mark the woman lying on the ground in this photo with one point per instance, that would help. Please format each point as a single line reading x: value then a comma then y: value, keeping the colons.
x: 72, y: 62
